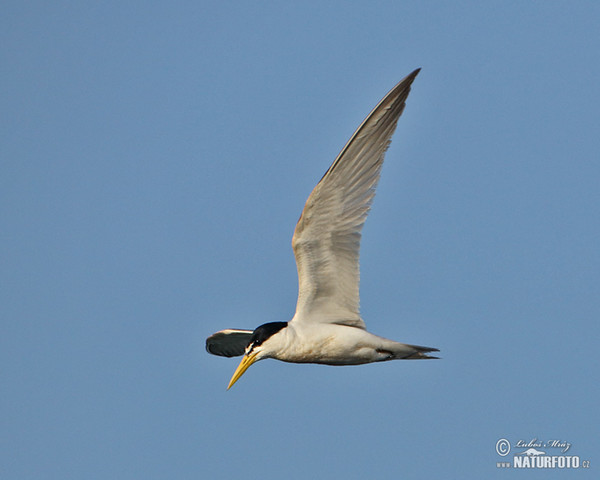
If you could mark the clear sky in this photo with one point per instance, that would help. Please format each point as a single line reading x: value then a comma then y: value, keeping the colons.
x: 155, y: 157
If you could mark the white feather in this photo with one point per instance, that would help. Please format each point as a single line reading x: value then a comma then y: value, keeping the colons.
x: 326, y: 241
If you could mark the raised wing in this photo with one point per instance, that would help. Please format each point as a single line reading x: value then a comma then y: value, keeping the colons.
x: 326, y: 241
x: 228, y: 343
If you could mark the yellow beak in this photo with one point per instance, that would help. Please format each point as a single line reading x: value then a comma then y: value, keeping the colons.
x: 242, y: 367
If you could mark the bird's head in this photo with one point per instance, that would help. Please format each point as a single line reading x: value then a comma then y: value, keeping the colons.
x: 259, y: 347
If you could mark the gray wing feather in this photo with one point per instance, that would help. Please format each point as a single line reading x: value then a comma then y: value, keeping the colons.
x: 228, y: 343
x: 327, y: 237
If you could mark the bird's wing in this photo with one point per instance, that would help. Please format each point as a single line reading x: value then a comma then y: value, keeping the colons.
x: 228, y: 343
x: 326, y: 241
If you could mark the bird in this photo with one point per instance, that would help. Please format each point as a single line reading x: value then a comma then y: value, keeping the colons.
x: 327, y: 327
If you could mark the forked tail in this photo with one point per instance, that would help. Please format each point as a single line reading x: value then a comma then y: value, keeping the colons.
x: 420, y: 353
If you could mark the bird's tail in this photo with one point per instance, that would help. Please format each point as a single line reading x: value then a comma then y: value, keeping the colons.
x: 419, y: 353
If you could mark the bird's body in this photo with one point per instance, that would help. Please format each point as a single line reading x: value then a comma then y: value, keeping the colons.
x: 327, y: 327
x: 333, y: 344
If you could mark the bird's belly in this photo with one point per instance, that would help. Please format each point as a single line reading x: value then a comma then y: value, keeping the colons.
x: 343, y: 347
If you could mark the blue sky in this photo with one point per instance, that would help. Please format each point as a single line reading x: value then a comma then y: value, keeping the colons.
x: 154, y: 160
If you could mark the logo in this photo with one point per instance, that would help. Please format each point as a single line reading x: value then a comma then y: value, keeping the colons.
x: 532, y: 451
x: 503, y: 447
x: 534, y: 454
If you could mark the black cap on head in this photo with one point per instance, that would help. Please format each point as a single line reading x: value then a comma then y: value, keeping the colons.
x: 265, y: 331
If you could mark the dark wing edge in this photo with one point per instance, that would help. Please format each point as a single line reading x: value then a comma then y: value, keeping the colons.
x: 228, y: 343
x: 398, y: 95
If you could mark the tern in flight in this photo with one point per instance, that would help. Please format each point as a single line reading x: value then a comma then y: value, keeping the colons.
x: 327, y: 327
